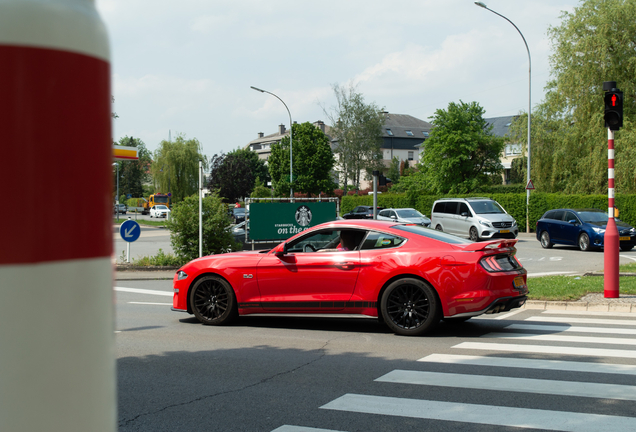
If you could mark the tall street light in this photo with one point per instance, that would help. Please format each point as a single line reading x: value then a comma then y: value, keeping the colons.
x: 117, y: 197
x: 480, y: 4
x: 291, y: 187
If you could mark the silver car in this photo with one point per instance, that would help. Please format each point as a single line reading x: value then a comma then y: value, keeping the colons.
x: 476, y: 218
x: 404, y: 215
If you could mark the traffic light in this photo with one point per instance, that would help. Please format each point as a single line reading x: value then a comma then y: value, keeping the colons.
x: 614, y: 109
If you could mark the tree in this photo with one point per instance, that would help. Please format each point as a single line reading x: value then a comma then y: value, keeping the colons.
x: 357, y: 130
x: 260, y: 190
x: 594, y: 43
x: 461, y: 154
x: 184, y: 227
x: 232, y: 175
x: 176, y: 167
x: 518, y: 169
x: 312, y: 164
x: 394, y: 170
x: 133, y: 174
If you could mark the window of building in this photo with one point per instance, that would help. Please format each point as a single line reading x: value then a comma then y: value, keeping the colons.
x: 409, y: 133
x: 425, y: 133
x: 513, y: 149
x: 256, y: 147
x: 410, y: 155
x: 389, y: 133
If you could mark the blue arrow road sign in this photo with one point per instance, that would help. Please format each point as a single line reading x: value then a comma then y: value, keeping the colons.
x: 129, y: 230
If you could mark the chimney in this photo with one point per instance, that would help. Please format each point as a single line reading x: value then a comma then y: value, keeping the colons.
x: 260, y: 134
x: 320, y: 125
x: 281, y: 129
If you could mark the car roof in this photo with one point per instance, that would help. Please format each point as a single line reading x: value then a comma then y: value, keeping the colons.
x: 578, y: 210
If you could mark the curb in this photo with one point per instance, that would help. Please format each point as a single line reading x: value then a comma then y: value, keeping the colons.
x: 580, y: 306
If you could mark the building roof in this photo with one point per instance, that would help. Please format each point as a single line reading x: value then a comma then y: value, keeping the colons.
x: 405, y: 126
x: 500, y: 125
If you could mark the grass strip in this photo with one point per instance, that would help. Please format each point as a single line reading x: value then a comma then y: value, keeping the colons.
x: 573, y: 287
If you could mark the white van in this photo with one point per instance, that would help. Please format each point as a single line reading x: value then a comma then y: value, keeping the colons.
x: 476, y: 218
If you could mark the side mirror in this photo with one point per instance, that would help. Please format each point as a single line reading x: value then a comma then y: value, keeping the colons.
x: 573, y: 222
x: 393, y: 217
x: 464, y: 214
x: 283, y: 251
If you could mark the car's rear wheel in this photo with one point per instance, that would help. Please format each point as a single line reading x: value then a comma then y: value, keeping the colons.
x: 474, y: 235
x: 545, y: 240
x: 627, y: 247
x: 213, y: 301
x: 439, y: 228
x: 409, y: 307
x: 584, y: 242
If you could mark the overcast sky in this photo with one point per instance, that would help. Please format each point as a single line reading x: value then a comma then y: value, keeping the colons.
x: 186, y: 66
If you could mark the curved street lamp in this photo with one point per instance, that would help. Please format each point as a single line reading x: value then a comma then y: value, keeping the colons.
x: 480, y: 4
x: 291, y: 187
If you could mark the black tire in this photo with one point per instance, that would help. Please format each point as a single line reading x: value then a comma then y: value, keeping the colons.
x: 545, y: 240
x: 627, y: 247
x: 457, y: 320
x: 409, y: 307
x: 584, y: 242
x: 439, y: 228
x: 213, y: 301
x: 473, y: 234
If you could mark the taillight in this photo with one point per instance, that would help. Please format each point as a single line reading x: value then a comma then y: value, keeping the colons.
x: 500, y: 263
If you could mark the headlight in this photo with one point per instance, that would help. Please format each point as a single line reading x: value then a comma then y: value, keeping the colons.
x: 485, y: 223
x: 632, y: 231
x: 514, y: 223
x: 598, y: 230
x: 181, y: 275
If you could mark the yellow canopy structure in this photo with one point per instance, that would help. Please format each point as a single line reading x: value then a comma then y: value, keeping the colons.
x: 125, y: 153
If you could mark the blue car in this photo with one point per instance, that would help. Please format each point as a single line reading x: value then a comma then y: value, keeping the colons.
x: 584, y: 228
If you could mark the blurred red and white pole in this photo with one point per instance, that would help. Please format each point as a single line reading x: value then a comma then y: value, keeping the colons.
x: 57, y: 363
x: 611, y: 241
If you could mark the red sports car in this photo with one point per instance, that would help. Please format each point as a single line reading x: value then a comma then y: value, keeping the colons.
x: 407, y: 275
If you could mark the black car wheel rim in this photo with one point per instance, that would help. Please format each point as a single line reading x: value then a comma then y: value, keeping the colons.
x: 408, y: 306
x: 211, y: 299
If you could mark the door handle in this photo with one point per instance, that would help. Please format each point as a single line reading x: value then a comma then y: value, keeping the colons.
x: 345, y: 264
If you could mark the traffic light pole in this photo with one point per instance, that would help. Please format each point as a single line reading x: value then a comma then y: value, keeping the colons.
x: 611, y: 242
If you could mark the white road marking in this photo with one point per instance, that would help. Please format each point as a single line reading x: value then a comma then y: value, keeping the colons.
x: 144, y: 291
x: 481, y: 414
x: 547, y: 349
x: 562, y: 338
x: 569, y: 320
x: 526, y: 363
x: 555, y: 273
x: 287, y: 428
x: 628, y: 257
x: 590, y: 313
x: 566, y: 328
x: 511, y: 384
x: 150, y: 303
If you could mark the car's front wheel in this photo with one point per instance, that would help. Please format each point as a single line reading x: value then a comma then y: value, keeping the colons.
x: 409, y: 307
x: 584, y: 242
x: 627, y: 247
x: 213, y: 301
x: 474, y: 235
x: 545, y: 240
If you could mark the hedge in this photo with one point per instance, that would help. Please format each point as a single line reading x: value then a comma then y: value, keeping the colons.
x: 515, y: 204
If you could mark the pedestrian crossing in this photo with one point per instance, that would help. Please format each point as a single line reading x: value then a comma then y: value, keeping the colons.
x: 599, y: 364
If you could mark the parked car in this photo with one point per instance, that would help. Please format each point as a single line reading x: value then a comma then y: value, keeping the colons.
x: 404, y: 215
x: 159, y: 211
x: 239, y: 214
x: 361, y: 212
x: 476, y: 218
x: 120, y: 208
x: 406, y: 274
x: 584, y: 228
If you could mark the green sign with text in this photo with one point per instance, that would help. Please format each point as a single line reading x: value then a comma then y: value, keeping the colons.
x: 275, y: 221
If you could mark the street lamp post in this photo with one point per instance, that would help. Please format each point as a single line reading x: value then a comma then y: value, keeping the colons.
x: 291, y: 187
x: 117, y: 196
x: 480, y: 4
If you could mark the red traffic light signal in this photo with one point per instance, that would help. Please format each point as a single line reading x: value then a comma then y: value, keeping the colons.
x: 614, y: 109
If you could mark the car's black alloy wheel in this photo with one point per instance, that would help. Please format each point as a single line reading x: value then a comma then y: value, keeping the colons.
x: 213, y: 301
x: 545, y: 240
x: 409, y: 307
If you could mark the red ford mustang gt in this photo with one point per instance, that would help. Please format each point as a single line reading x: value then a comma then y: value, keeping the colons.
x: 407, y: 275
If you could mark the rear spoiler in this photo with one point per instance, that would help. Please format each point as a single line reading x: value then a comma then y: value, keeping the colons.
x: 488, y: 245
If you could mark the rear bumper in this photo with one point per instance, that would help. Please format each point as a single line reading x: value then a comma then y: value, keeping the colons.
x: 503, y: 304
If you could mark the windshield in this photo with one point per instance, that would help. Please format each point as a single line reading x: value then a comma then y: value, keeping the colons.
x: 592, y: 216
x: 239, y: 210
x: 486, y: 207
x: 409, y: 213
x: 161, y: 199
x: 161, y: 207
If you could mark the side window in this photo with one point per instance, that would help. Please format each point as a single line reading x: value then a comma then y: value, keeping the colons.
x: 377, y: 240
x: 439, y: 207
x: 451, y: 207
x: 328, y: 241
x: 570, y: 216
x: 384, y: 213
x: 393, y: 214
x: 558, y: 215
x: 463, y: 208
x: 549, y: 215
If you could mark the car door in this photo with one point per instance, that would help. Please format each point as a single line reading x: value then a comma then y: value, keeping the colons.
x: 451, y: 222
x: 570, y: 231
x: 313, y: 275
x: 555, y: 227
x: 464, y: 220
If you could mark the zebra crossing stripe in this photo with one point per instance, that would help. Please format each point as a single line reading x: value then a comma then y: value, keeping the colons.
x: 566, y: 328
x: 561, y: 338
x: 590, y: 313
x: 287, y: 428
x: 144, y: 291
x: 511, y: 384
x: 547, y: 349
x: 569, y: 320
x: 525, y: 363
x: 480, y: 414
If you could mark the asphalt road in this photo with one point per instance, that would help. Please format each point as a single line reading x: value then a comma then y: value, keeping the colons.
x: 544, y: 370
x: 538, y: 261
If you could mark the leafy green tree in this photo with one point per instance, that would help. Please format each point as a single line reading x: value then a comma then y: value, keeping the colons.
x: 133, y: 174
x: 176, y: 167
x: 257, y: 165
x: 184, y: 227
x: 313, y: 161
x: 518, y: 169
x: 234, y: 173
x: 593, y: 44
x: 357, y: 130
x: 394, y: 170
x: 260, y: 190
x: 461, y: 154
